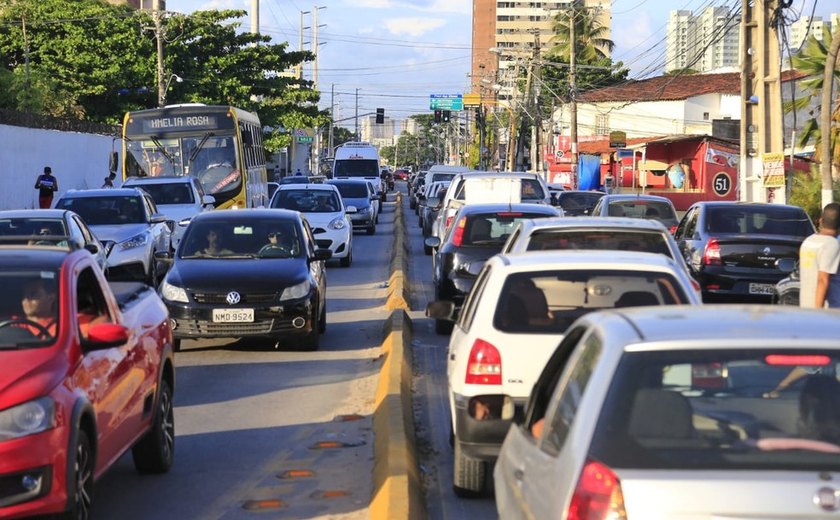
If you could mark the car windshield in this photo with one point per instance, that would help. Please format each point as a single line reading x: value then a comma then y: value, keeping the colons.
x: 492, y: 229
x: 610, y: 239
x: 28, y: 308
x: 577, y: 202
x: 720, y: 409
x: 356, y: 168
x: 172, y: 193
x: 270, y: 238
x: 641, y: 208
x: 307, y: 201
x: 549, y: 301
x: 352, y: 190
x: 106, y: 210
x: 32, y: 231
x: 766, y: 220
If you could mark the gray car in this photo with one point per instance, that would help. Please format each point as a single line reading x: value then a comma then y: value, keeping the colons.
x: 715, y: 411
x: 356, y: 192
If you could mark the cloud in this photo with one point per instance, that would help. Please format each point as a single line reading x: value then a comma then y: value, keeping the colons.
x: 413, y: 26
x: 374, y: 4
x: 224, y: 4
x: 443, y: 6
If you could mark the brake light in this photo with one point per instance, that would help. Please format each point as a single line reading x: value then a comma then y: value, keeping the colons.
x: 449, y: 221
x: 458, y: 234
x: 484, y: 366
x: 597, y: 495
x: 797, y: 360
x: 509, y: 214
x: 711, y: 255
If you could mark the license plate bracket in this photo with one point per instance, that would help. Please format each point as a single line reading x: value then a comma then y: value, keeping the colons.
x: 233, y: 315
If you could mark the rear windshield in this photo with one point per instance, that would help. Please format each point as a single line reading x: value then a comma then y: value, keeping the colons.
x: 717, y: 409
x: 442, y: 177
x: 491, y: 229
x: 649, y: 209
x: 624, y: 240
x: 175, y: 193
x: 356, y: 168
x: 531, y: 190
x: 549, y: 301
x: 766, y: 220
x: 106, y: 210
x: 351, y: 190
x: 307, y: 201
x: 578, y: 201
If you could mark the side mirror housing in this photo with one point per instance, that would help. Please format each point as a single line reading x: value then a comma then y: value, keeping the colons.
x: 163, y: 256
x: 351, y: 209
x: 93, y: 248
x: 433, y: 242
x: 106, y: 335
x: 157, y: 218
x: 113, y: 161
x: 208, y: 200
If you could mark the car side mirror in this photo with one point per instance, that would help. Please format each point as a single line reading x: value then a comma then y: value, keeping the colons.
x: 351, y: 209
x: 433, y: 203
x: 113, y: 161
x: 106, y: 335
x: 433, y: 242
x: 441, y: 310
x: 93, y: 248
x: 163, y: 256
x: 158, y: 218
x: 208, y: 200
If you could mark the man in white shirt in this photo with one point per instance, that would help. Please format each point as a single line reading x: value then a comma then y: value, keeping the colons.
x: 819, y: 256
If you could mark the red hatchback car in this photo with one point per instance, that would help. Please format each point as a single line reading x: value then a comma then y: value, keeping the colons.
x: 401, y: 175
x: 87, y: 373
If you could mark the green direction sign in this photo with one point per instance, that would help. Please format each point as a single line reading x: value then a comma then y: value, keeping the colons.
x: 446, y: 102
x: 304, y: 139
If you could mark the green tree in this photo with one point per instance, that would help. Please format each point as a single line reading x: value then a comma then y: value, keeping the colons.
x: 591, y: 41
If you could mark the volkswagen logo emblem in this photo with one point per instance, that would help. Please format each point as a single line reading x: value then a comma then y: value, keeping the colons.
x: 766, y: 250
x: 233, y: 298
x: 827, y: 499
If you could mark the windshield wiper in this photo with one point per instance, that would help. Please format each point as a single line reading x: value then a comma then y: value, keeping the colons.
x: 163, y: 151
x: 197, y: 149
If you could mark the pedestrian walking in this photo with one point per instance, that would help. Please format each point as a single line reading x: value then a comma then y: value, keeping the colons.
x: 819, y: 257
x: 298, y: 172
x: 47, y: 185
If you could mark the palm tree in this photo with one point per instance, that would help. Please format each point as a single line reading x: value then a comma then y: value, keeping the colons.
x: 591, y: 42
x: 811, y: 61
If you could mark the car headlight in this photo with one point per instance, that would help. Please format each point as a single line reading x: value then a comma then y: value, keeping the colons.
x: 173, y: 293
x: 338, y: 223
x: 296, y: 291
x: 135, y: 241
x: 27, y: 419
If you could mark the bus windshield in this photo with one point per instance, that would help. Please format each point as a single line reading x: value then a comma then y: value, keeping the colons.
x: 356, y: 168
x: 209, y: 158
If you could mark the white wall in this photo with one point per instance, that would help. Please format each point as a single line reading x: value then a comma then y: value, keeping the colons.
x: 77, y: 160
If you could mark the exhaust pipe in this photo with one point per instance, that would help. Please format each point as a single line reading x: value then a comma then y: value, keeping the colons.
x: 298, y: 322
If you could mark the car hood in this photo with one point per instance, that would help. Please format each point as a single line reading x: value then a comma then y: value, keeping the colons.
x: 251, y: 274
x: 118, y: 232
x: 28, y: 374
x: 321, y: 219
x: 362, y: 202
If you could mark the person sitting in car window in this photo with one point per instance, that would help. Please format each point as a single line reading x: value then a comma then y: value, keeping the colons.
x: 278, y: 245
x: 214, y: 245
x: 39, y: 303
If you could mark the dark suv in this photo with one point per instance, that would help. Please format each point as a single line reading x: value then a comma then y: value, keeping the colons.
x: 732, y: 248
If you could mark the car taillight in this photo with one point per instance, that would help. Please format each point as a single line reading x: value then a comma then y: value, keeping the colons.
x: 709, y: 375
x: 597, y: 495
x: 484, y: 366
x: 449, y: 221
x: 458, y: 233
x: 673, y: 229
x: 711, y: 255
x: 797, y: 360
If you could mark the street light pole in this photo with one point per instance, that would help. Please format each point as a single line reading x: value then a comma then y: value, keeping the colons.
x: 156, y: 17
x: 357, y: 114
x: 573, y: 132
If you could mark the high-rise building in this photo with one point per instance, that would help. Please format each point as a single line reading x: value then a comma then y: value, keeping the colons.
x: 512, y: 29
x: 704, y: 42
x: 807, y: 26
x: 378, y: 134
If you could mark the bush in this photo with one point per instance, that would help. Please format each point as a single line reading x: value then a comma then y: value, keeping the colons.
x: 805, y: 192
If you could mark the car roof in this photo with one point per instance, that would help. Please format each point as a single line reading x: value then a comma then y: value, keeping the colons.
x: 348, y: 180
x: 594, y: 223
x: 744, y: 204
x: 171, y: 179
x: 234, y: 215
x: 629, y: 196
x: 34, y: 213
x: 298, y: 187
x: 586, y: 259
x: 495, y: 175
x: 494, y: 207
x: 35, y: 257
x: 721, y: 326
x: 103, y: 192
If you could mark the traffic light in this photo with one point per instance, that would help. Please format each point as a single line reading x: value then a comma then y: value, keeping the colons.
x: 446, y: 115
x: 438, y: 115
x: 380, y: 116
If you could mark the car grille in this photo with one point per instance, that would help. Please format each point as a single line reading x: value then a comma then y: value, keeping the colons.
x: 247, y: 298
x: 324, y: 244
x: 318, y: 230
x: 206, y: 328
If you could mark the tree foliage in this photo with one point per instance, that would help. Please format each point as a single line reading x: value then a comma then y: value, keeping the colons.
x: 91, y: 59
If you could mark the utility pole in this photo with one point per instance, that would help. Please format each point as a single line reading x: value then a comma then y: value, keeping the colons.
x: 356, y: 134
x: 317, y: 137
x: 255, y: 16
x: 25, y: 48
x: 573, y: 131
x: 761, y: 136
x: 511, y: 148
x: 533, y: 97
x: 300, y: 44
x: 157, y: 16
x: 332, y: 117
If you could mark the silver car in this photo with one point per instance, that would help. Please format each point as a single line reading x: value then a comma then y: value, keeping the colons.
x: 681, y: 413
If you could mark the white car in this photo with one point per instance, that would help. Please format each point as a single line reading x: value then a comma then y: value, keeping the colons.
x: 681, y: 413
x: 323, y: 208
x: 179, y: 198
x: 514, y: 317
x: 128, y: 224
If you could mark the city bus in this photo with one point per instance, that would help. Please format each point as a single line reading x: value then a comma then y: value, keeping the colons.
x: 221, y: 146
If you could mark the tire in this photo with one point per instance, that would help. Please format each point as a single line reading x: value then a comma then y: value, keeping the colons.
x: 443, y: 327
x: 80, y: 490
x: 311, y: 341
x: 322, y: 323
x: 371, y: 229
x: 151, y: 276
x: 469, y: 475
x: 347, y: 260
x: 155, y: 451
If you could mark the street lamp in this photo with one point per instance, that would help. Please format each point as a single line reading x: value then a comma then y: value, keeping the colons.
x: 177, y: 78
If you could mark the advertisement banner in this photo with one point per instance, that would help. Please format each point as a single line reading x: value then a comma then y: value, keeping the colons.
x: 773, y: 168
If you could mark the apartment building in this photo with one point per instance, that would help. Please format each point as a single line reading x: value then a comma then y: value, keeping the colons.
x: 378, y: 135
x: 807, y: 26
x: 512, y: 28
x: 704, y: 42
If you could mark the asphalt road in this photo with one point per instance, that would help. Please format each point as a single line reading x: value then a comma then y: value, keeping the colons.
x: 249, y: 418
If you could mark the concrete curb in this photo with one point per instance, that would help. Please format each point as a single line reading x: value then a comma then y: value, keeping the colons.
x: 397, y: 490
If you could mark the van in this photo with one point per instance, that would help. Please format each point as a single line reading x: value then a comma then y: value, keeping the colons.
x: 358, y: 160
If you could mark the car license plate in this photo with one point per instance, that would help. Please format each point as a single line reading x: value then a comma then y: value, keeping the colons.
x: 762, y: 288
x: 233, y: 315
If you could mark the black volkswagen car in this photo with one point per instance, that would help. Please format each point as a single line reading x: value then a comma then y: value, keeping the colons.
x: 733, y: 248
x: 248, y: 273
x: 478, y: 232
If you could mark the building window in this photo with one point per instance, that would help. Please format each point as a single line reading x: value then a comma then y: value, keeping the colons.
x: 602, y: 124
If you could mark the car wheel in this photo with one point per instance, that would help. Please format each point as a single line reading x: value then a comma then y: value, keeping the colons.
x: 312, y: 340
x: 469, y: 474
x: 347, y: 260
x: 155, y: 451
x: 80, y: 488
x: 427, y: 250
x: 322, y: 323
x: 371, y: 229
x: 151, y: 276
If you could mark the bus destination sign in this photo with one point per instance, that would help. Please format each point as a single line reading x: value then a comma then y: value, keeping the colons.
x: 179, y: 123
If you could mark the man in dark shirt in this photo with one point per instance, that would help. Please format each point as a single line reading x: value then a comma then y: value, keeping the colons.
x: 47, y: 185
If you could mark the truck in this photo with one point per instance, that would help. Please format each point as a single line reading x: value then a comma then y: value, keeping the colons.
x: 88, y: 374
x: 358, y: 159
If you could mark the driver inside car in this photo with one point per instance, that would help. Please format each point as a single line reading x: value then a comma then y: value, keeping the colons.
x: 40, y: 310
x: 277, y: 245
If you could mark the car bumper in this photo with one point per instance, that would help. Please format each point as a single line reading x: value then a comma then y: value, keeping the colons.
x: 128, y: 263
x: 482, y: 438
x: 717, y: 282
x: 336, y: 240
x: 288, y: 319
x: 363, y: 219
x: 41, y: 458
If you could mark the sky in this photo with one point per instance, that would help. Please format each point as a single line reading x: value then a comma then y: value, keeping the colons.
x: 399, y: 52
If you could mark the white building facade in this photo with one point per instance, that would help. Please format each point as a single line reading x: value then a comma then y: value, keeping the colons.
x: 704, y: 42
